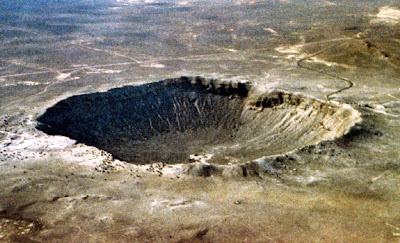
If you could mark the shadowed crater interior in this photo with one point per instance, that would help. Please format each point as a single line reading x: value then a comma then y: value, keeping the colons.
x: 167, y: 121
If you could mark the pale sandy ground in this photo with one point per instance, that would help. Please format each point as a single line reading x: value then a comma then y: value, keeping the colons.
x: 55, y: 190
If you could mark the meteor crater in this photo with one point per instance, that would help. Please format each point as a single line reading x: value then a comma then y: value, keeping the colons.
x: 173, y: 120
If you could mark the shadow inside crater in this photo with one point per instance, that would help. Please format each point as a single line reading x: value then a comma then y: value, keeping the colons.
x: 163, y: 121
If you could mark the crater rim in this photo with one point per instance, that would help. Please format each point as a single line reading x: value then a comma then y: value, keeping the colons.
x: 251, y: 100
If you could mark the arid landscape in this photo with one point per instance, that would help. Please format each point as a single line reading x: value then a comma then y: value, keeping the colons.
x: 200, y: 121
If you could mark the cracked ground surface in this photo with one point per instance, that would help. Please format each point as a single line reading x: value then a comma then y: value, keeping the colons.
x: 54, y: 189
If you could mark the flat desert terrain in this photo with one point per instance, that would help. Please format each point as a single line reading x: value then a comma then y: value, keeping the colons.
x: 200, y: 121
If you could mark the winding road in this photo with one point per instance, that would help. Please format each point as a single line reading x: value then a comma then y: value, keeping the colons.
x: 348, y: 81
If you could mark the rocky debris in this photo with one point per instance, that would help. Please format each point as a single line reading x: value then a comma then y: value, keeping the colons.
x: 16, y: 230
x: 202, y: 169
x: 267, y: 166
